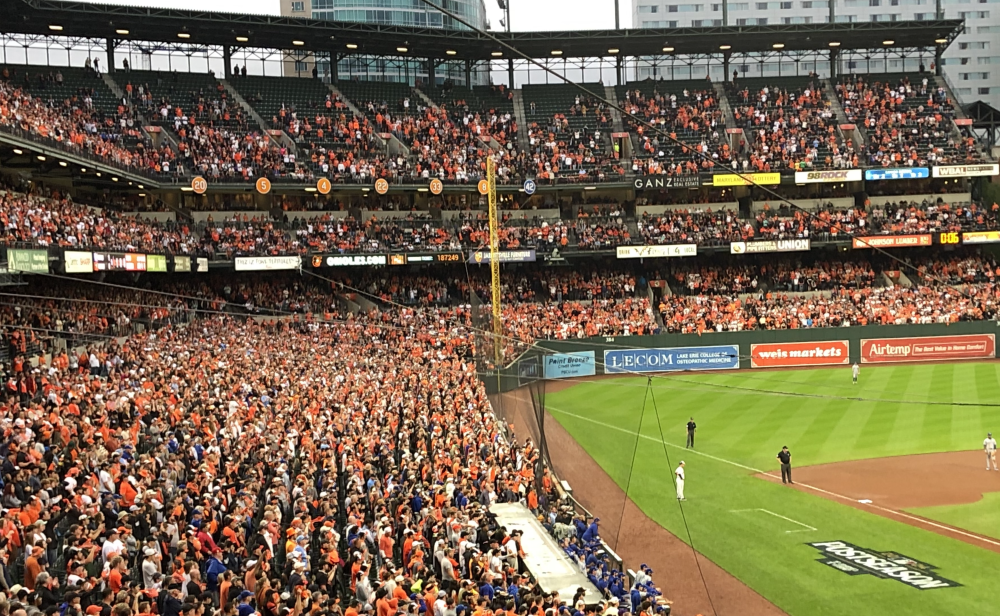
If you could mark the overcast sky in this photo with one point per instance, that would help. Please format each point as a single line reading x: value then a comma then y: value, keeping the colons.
x: 526, y: 14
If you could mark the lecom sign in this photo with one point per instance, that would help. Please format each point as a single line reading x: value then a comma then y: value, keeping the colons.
x: 823, y: 353
x: 931, y: 348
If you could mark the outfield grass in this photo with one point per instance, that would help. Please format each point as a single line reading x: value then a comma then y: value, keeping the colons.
x: 744, y: 418
x: 981, y: 517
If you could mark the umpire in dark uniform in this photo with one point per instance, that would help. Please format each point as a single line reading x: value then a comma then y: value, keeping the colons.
x: 691, y: 428
x: 785, y: 457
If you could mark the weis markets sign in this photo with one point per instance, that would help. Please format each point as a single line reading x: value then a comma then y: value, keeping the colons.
x: 825, y: 353
x: 750, y: 248
x: 853, y: 560
x: 930, y: 348
x: 725, y: 357
x: 565, y: 365
x: 838, y: 175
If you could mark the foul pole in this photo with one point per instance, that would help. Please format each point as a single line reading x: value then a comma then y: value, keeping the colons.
x: 494, y: 264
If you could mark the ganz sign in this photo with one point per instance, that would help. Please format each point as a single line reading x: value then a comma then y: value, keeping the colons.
x: 656, y: 182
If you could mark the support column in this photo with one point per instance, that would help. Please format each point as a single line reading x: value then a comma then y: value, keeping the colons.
x: 334, y: 68
x: 431, y: 69
x: 834, y: 52
x: 468, y: 73
x: 938, y: 51
x: 510, y: 73
x: 725, y: 12
x: 725, y: 66
x: 110, y: 44
x: 619, y: 68
x: 227, y: 61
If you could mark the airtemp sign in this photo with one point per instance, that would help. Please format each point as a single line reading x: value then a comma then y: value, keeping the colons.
x: 725, y: 357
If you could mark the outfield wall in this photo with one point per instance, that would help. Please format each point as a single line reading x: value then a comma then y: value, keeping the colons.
x: 830, y: 346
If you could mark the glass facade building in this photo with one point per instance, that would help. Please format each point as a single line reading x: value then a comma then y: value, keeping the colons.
x: 412, y: 13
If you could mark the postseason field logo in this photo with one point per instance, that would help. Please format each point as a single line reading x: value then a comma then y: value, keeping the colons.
x: 853, y: 560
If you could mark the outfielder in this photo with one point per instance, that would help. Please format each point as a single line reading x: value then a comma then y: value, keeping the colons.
x: 855, y: 371
x: 990, y: 447
x: 679, y: 480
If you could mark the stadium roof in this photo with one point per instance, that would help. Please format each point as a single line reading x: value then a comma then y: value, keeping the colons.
x: 79, y: 19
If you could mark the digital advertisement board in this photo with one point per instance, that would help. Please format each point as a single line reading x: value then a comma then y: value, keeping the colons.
x: 791, y: 354
x: 928, y: 348
x: 656, y: 252
x: 893, y: 241
x: 77, y: 262
x: 898, y: 173
x: 348, y: 260
x: 119, y: 262
x: 182, y: 264
x: 504, y: 256
x: 724, y: 357
x: 824, y: 177
x: 566, y: 365
x: 731, y: 179
x: 981, y: 237
x: 31, y: 261
x: 257, y: 264
x: 750, y: 248
x: 156, y: 263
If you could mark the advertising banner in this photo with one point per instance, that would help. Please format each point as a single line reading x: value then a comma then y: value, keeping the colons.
x: 731, y: 179
x: 965, y: 171
x: 725, y: 357
x: 893, y: 241
x: 156, y: 263
x: 657, y: 182
x: 348, y: 260
x: 504, y: 256
x: 182, y: 264
x: 32, y: 261
x: 835, y: 175
x: 749, y: 248
x: 898, y: 173
x: 425, y: 257
x: 928, y: 348
x: 119, y: 262
x: 256, y: 264
x: 825, y: 353
x: 565, y: 365
x: 657, y: 252
x: 202, y: 264
x: 77, y: 262
x: 981, y: 237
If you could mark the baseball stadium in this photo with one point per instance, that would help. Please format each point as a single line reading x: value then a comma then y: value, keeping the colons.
x: 313, y: 314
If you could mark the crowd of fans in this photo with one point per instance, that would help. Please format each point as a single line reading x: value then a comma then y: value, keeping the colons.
x: 907, y: 124
x: 76, y: 124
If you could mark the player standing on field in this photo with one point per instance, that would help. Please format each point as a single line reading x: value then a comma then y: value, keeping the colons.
x: 855, y: 371
x: 679, y: 480
x: 990, y: 447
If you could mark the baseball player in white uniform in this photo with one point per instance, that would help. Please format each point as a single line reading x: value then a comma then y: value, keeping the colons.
x: 855, y: 371
x: 990, y: 447
x: 679, y: 480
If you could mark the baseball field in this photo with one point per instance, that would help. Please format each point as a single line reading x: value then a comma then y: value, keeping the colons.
x: 890, y: 481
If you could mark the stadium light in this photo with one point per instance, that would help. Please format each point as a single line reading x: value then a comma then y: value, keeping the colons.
x: 402, y: 49
x: 888, y: 42
x: 142, y: 194
x: 352, y: 46
x: 183, y: 35
x: 41, y: 158
x: 121, y: 31
x: 18, y: 151
x: 141, y: 187
x: 668, y: 49
x: 496, y: 54
x: 55, y: 28
x: 941, y: 41
x: 834, y: 43
x: 451, y: 52
x: 422, y: 190
x: 83, y: 170
x: 556, y: 52
x: 298, y: 43
x: 98, y: 174
x: 242, y: 39
x: 613, y: 50
x: 778, y: 46
x: 63, y: 163
x: 725, y: 47
x: 114, y: 179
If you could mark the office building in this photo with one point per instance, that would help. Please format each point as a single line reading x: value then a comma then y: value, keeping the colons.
x: 971, y: 64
